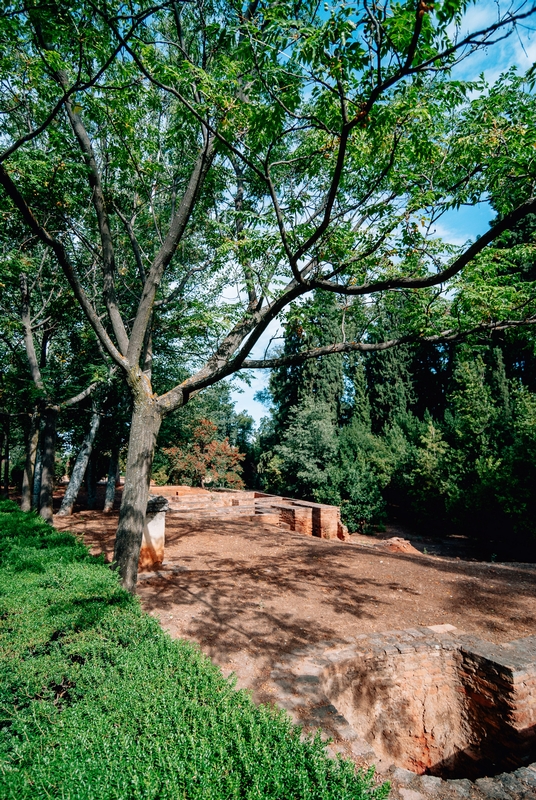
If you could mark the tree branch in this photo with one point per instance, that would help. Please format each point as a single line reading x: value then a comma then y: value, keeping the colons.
x: 134, y: 243
x: 506, y: 223
x: 168, y: 248
x: 77, y: 87
x: 99, y: 204
x: 72, y: 401
x: 372, y: 347
x: 57, y: 247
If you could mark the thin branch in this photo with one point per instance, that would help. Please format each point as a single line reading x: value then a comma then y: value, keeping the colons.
x: 63, y: 259
x: 372, y: 347
x: 507, y: 222
x: 134, y: 242
x: 178, y: 290
x: 81, y: 395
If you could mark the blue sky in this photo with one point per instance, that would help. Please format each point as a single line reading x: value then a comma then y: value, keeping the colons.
x: 456, y: 226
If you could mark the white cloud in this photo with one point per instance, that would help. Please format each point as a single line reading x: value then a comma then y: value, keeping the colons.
x: 465, y: 224
x: 518, y: 49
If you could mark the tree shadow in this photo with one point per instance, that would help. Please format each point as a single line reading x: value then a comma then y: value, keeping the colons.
x: 238, y: 588
x: 489, y: 591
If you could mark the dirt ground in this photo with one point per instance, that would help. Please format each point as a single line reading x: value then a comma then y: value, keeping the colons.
x: 249, y: 594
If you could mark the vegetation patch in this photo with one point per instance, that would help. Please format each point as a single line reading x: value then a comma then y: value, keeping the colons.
x: 96, y: 701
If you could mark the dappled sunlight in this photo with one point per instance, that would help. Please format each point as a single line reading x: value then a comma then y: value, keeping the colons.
x: 250, y: 593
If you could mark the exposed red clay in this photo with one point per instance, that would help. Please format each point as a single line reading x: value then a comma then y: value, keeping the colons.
x: 249, y: 593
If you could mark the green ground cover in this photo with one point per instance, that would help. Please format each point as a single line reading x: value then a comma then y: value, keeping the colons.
x: 96, y: 701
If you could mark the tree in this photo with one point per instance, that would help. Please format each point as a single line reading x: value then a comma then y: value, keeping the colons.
x: 206, y: 460
x: 178, y: 430
x: 264, y: 146
x: 49, y: 379
x: 301, y: 463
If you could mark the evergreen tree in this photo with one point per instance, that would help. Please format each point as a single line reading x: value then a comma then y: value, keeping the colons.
x: 314, y: 323
x: 390, y: 385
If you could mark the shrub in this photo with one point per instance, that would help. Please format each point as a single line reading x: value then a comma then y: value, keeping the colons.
x: 96, y: 701
x: 205, y: 460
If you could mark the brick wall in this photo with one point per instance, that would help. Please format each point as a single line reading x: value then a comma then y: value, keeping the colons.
x: 402, y: 697
x: 500, y: 688
x: 431, y: 702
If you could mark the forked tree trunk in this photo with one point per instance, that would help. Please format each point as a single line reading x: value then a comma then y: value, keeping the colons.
x: 79, y: 469
x: 32, y: 441
x: 146, y: 421
x: 48, y: 463
x: 112, y: 480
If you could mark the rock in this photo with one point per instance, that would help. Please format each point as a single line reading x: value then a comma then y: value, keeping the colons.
x: 342, y: 532
x: 445, y: 628
x: 511, y: 783
x: 335, y: 749
x: 410, y: 794
x: 492, y: 789
x: 401, y: 775
x: 157, y: 503
x: 430, y: 783
x: 527, y: 775
x: 462, y: 787
x: 361, y: 749
x: 398, y: 545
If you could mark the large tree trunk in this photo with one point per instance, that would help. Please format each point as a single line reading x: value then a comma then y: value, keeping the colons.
x: 91, y: 481
x: 32, y: 441
x: 2, y: 442
x: 79, y: 469
x: 48, y: 462
x: 6, y: 456
x: 113, y: 471
x: 146, y: 421
x: 37, y: 474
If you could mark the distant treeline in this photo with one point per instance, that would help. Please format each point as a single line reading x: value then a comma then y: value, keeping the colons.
x: 441, y: 437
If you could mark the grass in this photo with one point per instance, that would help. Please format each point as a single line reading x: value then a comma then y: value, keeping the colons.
x: 97, y: 702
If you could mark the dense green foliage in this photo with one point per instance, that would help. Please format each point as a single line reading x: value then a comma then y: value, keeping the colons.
x: 214, y: 408
x: 441, y: 436
x: 98, y: 702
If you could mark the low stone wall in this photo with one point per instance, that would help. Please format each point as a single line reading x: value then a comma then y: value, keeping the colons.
x: 311, y: 519
x: 302, y: 516
x: 299, y: 519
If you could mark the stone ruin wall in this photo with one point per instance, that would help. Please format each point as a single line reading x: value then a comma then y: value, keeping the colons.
x: 499, y: 685
x: 406, y: 705
x: 424, y: 701
x: 302, y: 516
x: 426, y: 704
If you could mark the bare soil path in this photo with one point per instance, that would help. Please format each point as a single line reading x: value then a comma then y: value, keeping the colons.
x: 249, y: 594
